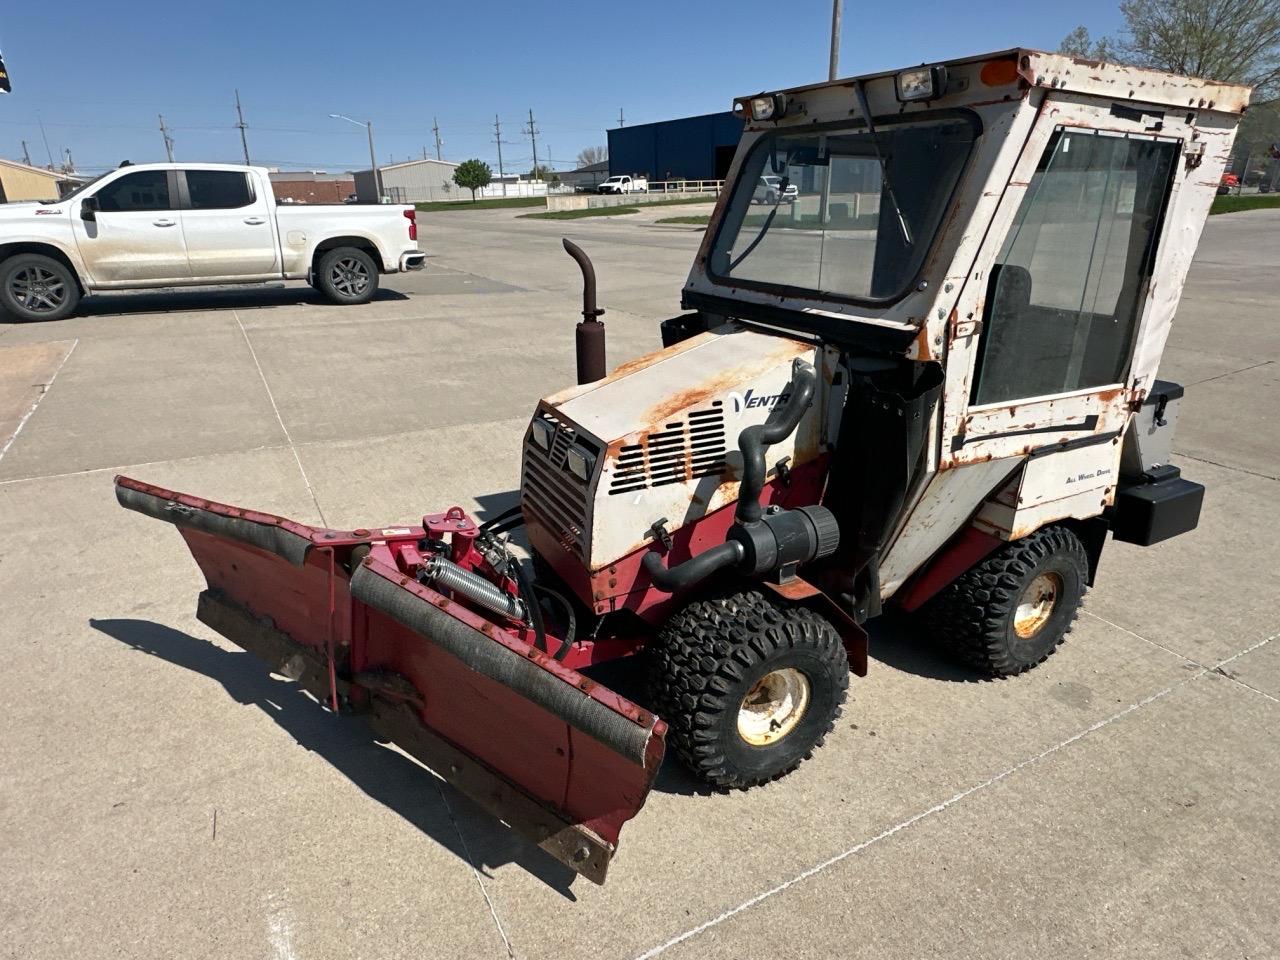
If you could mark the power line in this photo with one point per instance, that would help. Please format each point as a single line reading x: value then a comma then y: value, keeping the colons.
x: 168, y: 140
x: 244, y: 141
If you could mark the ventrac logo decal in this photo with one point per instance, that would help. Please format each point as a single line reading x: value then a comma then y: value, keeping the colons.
x: 751, y: 399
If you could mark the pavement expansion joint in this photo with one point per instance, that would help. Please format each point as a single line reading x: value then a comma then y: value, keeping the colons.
x: 279, y: 419
x: 475, y: 872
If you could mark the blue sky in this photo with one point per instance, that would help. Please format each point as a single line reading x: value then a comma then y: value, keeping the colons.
x: 98, y: 77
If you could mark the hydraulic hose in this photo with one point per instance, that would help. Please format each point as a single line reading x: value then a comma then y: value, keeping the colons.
x: 754, y: 441
x: 757, y: 545
x: 682, y: 575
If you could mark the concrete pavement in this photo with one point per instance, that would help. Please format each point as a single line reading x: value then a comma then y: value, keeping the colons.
x: 161, y: 795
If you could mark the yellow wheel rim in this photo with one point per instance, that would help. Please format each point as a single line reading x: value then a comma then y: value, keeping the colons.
x: 1036, y: 605
x: 773, y: 707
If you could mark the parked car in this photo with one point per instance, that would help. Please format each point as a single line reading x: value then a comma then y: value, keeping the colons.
x: 166, y: 225
x: 624, y: 184
x: 770, y: 190
x: 1228, y: 183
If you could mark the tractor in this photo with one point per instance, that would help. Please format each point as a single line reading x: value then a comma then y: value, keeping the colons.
x: 922, y: 376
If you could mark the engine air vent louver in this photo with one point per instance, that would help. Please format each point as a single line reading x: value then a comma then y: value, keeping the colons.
x: 678, y: 452
x: 548, y: 490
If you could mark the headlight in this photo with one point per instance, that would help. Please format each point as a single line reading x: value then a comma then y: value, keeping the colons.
x: 767, y: 106
x: 580, y: 463
x: 543, y: 432
x: 922, y: 83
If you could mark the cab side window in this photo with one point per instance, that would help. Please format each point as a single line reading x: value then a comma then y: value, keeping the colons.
x: 144, y: 190
x: 218, y: 189
x: 1066, y: 292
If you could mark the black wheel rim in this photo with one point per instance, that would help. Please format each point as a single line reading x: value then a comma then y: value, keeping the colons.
x: 350, y: 277
x: 37, y: 289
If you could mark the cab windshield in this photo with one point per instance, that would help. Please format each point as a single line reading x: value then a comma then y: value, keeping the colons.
x: 815, y: 213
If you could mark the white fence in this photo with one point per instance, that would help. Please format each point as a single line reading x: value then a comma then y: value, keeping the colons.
x: 712, y: 187
x: 524, y: 188
x: 587, y: 201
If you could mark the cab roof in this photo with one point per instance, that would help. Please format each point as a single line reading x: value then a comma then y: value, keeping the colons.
x: 1022, y: 68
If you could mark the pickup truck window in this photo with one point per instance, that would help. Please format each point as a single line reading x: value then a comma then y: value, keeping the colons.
x: 144, y: 190
x: 218, y: 189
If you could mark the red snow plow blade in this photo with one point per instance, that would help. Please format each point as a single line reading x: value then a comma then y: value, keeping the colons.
x: 559, y: 758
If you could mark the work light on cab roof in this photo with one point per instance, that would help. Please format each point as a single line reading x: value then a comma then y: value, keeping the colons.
x: 917, y: 356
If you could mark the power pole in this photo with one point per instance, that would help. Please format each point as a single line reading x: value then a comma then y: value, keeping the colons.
x: 435, y: 128
x: 244, y: 141
x: 497, y: 138
x: 70, y: 165
x: 168, y: 140
x: 26, y: 155
x: 622, y: 121
x: 837, y: 11
x: 533, y: 138
x: 424, y: 153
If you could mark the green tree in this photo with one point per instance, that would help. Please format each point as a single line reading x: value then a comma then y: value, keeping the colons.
x: 1078, y: 43
x: 544, y: 173
x: 473, y: 175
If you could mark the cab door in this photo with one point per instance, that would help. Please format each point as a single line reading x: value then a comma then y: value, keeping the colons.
x: 135, y: 236
x: 1043, y: 339
x: 230, y: 228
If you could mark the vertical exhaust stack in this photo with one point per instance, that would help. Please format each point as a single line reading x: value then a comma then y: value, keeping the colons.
x: 589, y: 335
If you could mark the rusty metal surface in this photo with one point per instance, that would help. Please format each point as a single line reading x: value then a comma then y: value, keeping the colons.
x: 1063, y: 72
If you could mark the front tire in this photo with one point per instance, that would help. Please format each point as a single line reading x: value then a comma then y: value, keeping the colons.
x: 35, y: 287
x: 347, y: 276
x: 749, y: 687
x: 1011, y: 611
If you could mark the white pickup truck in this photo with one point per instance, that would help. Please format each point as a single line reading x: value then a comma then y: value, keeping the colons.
x: 166, y: 225
x: 624, y: 184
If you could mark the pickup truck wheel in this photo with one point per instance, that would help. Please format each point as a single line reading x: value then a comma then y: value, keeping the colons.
x: 347, y: 275
x: 33, y: 287
x: 749, y: 686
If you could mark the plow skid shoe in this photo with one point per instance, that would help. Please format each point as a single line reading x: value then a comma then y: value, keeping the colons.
x: 559, y: 758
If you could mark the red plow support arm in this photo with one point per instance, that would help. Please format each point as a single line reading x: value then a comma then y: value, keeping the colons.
x: 559, y: 758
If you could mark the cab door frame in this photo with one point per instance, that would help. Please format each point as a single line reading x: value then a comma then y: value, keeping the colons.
x: 974, y: 433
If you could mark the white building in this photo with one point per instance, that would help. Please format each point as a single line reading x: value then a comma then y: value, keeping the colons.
x: 414, y: 181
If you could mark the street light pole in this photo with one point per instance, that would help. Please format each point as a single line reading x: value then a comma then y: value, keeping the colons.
x: 373, y: 157
x: 837, y: 10
x: 373, y: 161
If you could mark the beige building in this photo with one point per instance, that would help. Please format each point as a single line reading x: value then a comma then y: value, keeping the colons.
x: 20, y: 182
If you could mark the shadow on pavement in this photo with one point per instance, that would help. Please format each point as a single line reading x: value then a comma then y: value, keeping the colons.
x: 898, y: 641
x: 383, y: 773
x: 181, y: 301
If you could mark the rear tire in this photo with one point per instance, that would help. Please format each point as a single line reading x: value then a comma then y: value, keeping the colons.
x: 347, y: 276
x: 35, y: 287
x: 749, y: 687
x: 1011, y: 611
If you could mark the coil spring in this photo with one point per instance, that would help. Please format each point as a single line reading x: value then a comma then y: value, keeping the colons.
x: 440, y: 572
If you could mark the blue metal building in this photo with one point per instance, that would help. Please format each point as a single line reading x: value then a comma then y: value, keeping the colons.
x: 691, y: 148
